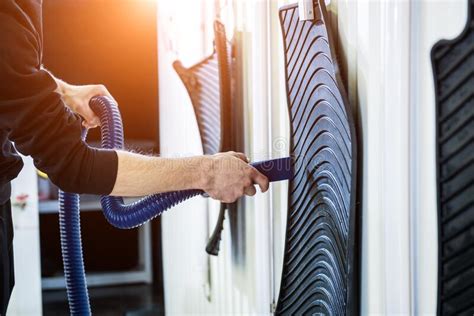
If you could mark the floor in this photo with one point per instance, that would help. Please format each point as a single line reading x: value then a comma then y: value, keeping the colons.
x: 130, y: 300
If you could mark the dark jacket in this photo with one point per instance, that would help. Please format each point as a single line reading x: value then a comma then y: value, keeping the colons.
x: 34, y: 118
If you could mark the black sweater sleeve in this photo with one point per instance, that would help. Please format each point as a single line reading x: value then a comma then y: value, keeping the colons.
x: 37, y: 120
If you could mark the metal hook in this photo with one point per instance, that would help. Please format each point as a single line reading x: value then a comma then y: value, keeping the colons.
x: 310, y: 9
x: 306, y: 10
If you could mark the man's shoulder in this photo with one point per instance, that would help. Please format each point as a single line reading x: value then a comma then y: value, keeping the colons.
x: 16, y: 27
x: 19, y: 47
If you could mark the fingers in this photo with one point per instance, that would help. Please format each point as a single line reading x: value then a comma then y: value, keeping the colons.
x: 101, y: 90
x: 255, y: 176
x: 241, y: 156
x: 250, y: 191
x: 91, y: 120
x: 259, y: 179
x: 88, y: 125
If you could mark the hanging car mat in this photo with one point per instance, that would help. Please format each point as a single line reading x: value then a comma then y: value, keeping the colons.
x: 209, y: 86
x: 319, y: 275
x: 453, y: 68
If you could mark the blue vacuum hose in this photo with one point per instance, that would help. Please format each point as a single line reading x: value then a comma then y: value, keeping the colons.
x: 116, y: 212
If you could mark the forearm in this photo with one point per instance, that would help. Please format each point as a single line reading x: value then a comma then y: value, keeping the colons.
x: 140, y: 175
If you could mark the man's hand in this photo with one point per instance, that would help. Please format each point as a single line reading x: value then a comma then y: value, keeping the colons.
x: 77, y: 99
x: 228, y: 176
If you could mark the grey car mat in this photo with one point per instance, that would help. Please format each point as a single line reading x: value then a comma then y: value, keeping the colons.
x: 209, y: 86
x: 453, y: 69
x: 319, y: 267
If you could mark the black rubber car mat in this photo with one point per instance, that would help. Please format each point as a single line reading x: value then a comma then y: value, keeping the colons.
x: 319, y: 265
x: 453, y: 69
x: 209, y: 86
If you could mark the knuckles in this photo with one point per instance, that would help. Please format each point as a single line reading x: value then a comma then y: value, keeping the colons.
x: 248, y: 182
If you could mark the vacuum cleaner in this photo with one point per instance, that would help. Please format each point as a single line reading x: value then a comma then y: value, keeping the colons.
x: 119, y: 214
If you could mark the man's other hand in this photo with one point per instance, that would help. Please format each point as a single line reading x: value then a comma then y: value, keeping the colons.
x: 77, y: 99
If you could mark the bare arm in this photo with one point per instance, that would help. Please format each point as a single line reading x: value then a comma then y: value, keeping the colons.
x: 225, y: 177
x: 140, y: 175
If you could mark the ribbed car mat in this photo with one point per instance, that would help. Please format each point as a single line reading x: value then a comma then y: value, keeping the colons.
x: 209, y: 86
x: 319, y: 267
x: 453, y: 68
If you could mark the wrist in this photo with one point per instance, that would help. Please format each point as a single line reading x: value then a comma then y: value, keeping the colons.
x: 205, y: 174
x: 59, y: 83
x: 63, y: 87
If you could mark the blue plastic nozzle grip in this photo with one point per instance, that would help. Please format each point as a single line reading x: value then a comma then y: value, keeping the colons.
x: 275, y: 169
